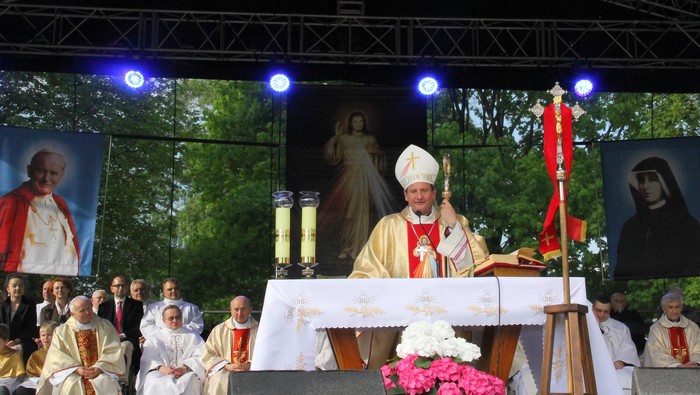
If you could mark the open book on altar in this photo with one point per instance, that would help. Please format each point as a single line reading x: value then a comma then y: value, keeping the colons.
x: 522, y: 258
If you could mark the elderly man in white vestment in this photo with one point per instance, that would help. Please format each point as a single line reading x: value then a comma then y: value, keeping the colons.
x: 618, y: 339
x: 674, y: 340
x: 84, y: 356
x: 229, y: 347
x: 172, y: 359
x: 152, y: 320
x: 422, y: 241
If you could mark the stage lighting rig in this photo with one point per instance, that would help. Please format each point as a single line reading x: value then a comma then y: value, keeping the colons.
x: 279, y: 83
x: 134, y: 79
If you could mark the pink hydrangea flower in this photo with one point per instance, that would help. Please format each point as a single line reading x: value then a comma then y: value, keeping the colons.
x: 449, y: 389
x: 438, y: 372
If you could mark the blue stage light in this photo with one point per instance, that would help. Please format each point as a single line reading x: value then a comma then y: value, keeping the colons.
x: 583, y: 87
x: 279, y: 83
x: 428, y: 86
x: 134, y: 79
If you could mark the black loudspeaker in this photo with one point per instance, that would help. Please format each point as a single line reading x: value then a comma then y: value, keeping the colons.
x: 666, y: 381
x: 294, y: 382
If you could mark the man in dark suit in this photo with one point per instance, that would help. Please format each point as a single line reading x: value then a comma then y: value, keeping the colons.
x: 125, y: 314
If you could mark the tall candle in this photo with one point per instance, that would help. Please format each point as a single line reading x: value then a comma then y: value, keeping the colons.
x: 282, y: 231
x: 308, y: 234
x: 283, y: 203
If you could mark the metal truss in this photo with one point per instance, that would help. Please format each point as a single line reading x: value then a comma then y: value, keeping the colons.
x: 46, y: 32
x: 669, y: 9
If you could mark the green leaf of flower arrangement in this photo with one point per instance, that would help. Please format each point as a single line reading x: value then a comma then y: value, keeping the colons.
x: 423, y: 362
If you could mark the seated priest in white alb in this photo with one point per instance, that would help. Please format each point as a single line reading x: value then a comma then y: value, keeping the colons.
x: 229, y: 347
x: 618, y: 339
x: 674, y: 341
x: 84, y: 356
x: 171, y: 362
x: 152, y: 320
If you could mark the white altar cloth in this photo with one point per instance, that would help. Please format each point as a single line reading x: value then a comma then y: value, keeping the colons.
x: 295, y: 309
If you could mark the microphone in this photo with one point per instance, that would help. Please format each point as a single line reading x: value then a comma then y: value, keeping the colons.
x: 420, y: 214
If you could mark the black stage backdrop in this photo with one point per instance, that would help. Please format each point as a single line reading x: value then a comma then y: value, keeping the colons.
x: 352, y: 167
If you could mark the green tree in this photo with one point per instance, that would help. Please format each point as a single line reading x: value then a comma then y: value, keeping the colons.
x: 225, y: 224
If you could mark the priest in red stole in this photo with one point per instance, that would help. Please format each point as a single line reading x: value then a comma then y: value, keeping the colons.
x: 84, y: 356
x: 422, y: 241
x: 229, y: 347
x: 674, y: 341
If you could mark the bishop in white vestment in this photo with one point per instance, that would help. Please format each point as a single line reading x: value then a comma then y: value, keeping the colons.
x: 422, y: 241
x: 171, y: 362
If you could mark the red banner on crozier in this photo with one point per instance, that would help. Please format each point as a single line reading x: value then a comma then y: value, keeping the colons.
x: 576, y: 228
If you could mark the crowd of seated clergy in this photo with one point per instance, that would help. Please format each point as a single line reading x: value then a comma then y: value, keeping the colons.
x: 168, y: 351
x: 126, y: 344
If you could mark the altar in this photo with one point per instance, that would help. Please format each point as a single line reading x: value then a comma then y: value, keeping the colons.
x: 294, y: 310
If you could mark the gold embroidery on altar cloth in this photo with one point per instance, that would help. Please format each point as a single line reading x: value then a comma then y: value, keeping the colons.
x: 364, y: 308
x: 428, y: 305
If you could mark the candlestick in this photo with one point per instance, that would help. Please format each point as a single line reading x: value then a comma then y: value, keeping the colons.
x: 447, y: 169
x: 308, y: 201
x: 283, y: 203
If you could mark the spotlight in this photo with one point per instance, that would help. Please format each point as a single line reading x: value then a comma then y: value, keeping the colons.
x: 583, y: 87
x: 279, y: 83
x: 134, y: 79
x: 428, y: 86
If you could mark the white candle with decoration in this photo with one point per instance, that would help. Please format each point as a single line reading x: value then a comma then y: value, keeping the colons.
x: 283, y: 203
x: 308, y: 201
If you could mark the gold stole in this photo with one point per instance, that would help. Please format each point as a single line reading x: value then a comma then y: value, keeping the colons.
x: 239, y: 347
x: 11, y: 364
x: 87, y: 347
x: 679, y: 344
x: 36, y: 362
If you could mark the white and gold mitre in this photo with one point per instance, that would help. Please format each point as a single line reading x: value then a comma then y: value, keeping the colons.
x: 416, y: 165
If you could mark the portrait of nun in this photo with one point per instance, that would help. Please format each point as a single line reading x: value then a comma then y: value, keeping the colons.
x: 661, y: 239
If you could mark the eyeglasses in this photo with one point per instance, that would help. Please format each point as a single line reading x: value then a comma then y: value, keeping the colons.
x: 118, y: 285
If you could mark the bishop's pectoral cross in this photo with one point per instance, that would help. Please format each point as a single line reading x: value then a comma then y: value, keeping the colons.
x: 52, y: 227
